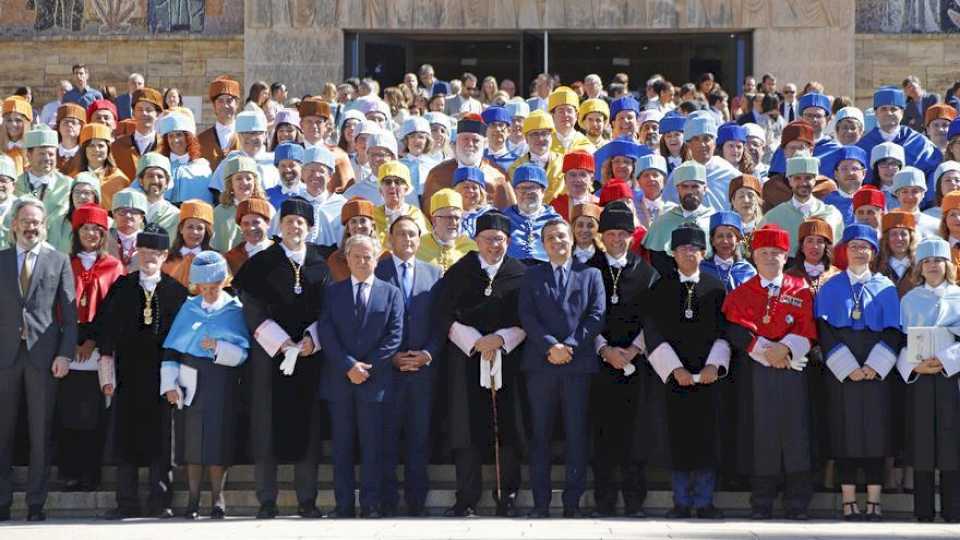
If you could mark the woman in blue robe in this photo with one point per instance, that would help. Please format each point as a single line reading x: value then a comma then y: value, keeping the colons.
x: 727, y: 264
x: 932, y: 400
x: 207, y: 342
x: 858, y: 323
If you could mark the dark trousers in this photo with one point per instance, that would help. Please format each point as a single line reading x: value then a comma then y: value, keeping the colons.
x: 305, y: 480
x: 550, y: 392
x: 923, y: 495
x: 613, y: 407
x: 161, y: 485
x: 351, y: 417
x: 468, y: 463
x: 80, y: 452
x: 797, y: 492
x: 41, y: 390
x: 408, y: 418
x: 693, y: 489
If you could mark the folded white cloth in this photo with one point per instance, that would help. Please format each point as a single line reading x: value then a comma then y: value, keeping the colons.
x: 289, y: 360
x: 90, y: 364
x: 493, y: 370
x: 107, y: 374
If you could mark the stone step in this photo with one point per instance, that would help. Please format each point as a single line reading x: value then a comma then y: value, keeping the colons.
x: 244, y: 502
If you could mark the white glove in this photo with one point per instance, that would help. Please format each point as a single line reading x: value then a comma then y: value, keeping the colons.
x: 289, y: 360
x: 629, y: 370
x: 798, y: 364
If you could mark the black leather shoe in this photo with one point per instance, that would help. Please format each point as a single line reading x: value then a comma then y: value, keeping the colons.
x: 760, y: 515
x: 417, y: 511
x: 372, y: 513
x: 267, y: 511
x: 217, y: 513
x: 797, y: 516
x: 460, y: 511
x: 388, y: 510
x: 601, y: 511
x: 307, y: 512
x: 36, y: 513
x: 5, y: 513
x: 120, y: 513
x: 507, y: 506
x: 192, y: 512
x: 573, y: 513
x: 679, y: 512
x: 71, y: 484
x: 338, y: 513
x: 709, y: 512
x: 634, y: 512
x: 539, y: 513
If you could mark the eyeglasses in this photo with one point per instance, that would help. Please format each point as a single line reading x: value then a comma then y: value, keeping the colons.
x: 393, y: 182
x: 380, y: 155
x: 789, y: 92
x: 850, y: 170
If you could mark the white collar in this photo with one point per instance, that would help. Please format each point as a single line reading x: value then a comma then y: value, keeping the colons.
x: 37, y: 181
x: 35, y: 249
x: 862, y: 278
x: 566, y: 266
x: 219, y: 303
x: 126, y: 238
x: 899, y: 265
x: 149, y: 283
x: 653, y: 203
x: 720, y: 261
x: 223, y: 128
x: 88, y: 258
x: 802, y: 206
x: 953, y: 241
x: 844, y: 194
x: 179, y: 158
x: 490, y: 269
x: 617, y: 262
x: 534, y: 215
x: 539, y: 160
x: 565, y: 142
x: 813, y: 270
x: 253, y: 249
x: 693, y: 278
x: 688, y: 213
x: 777, y: 282
x: 296, y: 189
x: 369, y: 282
x: 584, y: 254
x: 185, y: 251
x: 321, y: 198
x: 14, y: 144
x: 295, y: 256
x: 939, y: 290
x: 888, y: 137
x: 398, y: 262
x: 147, y: 138
x: 67, y: 152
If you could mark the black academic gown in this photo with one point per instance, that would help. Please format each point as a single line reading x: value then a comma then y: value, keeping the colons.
x: 683, y: 422
x: 283, y: 406
x: 469, y: 412
x: 142, y: 415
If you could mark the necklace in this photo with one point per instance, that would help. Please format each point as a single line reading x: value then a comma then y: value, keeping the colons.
x: 297, y: 288
x: 615, y: 297
x: 771, y: 295
x: 148, y: 307
x: 489, y: 290
x: 857, y: 304
x: 688, y: 304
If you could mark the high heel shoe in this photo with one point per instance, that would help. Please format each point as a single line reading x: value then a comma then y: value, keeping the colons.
x: 854, y: 514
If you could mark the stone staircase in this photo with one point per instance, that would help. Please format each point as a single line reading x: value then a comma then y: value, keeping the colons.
x: 241, y: 499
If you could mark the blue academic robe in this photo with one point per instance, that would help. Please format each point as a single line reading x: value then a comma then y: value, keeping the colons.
x: 919, y: 151
x: 193, y: 324
x: 733, y: 277
x: 468, y: 224
x: 526, y: 239
x: 719, y: 175
x: 822, y: 149
x: 504, y: 160
x: 844, y: 205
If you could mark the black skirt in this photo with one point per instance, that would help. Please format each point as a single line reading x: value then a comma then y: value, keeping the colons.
x: 206, y: 433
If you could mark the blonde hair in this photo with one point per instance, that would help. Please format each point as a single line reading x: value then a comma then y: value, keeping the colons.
x: 226, y: 196
x: 950, y: 275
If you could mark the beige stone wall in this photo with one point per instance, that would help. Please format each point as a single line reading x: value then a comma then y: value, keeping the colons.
x: 301, y: 42
x: 184, y: 62
x: 888, y: 58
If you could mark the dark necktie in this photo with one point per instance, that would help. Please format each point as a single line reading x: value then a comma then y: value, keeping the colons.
x: 561, y: 283
x: 405, y: 282
x: 360, y: 307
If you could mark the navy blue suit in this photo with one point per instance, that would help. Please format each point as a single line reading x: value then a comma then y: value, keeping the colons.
x: 124, y: 107
x: 572, y: 315
x: 372, y: 339
x: 411, y: 398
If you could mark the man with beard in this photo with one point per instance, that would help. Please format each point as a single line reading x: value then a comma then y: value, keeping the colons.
x: 42, y: 180
x: 690, y: 181
x: 594, y: 119
x: 153, y: 177
x: 469, y: 148
x: 477, y: 308
x: 700, y: 136
x: 40, y: 312
x: 282, y: 291
x: 498, y: 123
x: 529, y: 215
x: 616, y: 392
x: 253, y: 218
x: 563, y: 105
x: 414, y: 376
x: 650, y: 129
x: 538, y: 131
x: 288, y: 158
x: 219, y: 140
x: 446, y: 244
x: 316, y: 120
x: 802, y: 173
x: 137, y: 316
x: 126, y: 150
x: 888, y: 105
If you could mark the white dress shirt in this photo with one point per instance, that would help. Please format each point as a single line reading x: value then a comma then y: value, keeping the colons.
x: 224, y: 134
x: 366, y: 290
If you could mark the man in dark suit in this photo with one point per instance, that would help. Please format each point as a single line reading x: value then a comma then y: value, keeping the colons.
x: 124, y: 102
x: 38, y: 329
x: 918, y: 101
x: 562, y: 311
x: 409, y: 408
x: 358, y: 346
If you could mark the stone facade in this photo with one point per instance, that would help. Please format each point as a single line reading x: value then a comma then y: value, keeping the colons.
x: 301, y: 41
x: 888, y: 58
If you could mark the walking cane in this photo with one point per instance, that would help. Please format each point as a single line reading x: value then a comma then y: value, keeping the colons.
x: 496, y: 434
